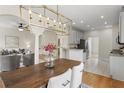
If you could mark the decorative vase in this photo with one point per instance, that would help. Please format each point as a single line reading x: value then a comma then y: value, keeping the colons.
x: 49, y: 61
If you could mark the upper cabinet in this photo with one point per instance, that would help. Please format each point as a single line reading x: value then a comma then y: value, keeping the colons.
x: 75, y: 36
x: 121, y: 28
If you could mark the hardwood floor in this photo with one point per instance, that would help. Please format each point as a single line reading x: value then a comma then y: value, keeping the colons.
x: 98, y: 81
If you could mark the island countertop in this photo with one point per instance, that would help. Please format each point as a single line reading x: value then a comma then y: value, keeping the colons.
x: 35, y: 75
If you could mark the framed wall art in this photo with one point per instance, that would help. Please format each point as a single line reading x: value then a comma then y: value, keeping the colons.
x: 11, y: 42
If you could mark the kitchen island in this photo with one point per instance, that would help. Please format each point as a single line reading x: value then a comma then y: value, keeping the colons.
x: 77, y: 54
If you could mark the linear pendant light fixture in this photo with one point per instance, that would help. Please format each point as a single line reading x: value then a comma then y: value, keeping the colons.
x: 61, y: 25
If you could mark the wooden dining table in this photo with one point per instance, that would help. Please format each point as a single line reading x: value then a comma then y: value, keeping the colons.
x: 35, y: 76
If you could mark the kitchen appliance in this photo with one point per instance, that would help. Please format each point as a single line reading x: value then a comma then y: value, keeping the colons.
x: 82, y: 44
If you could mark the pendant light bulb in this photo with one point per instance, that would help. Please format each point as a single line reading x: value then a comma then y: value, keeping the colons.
x: 30, y: 11
x: 48, y: 18
x: 40, y: 15
x: 54, y: 21
x: 60, y: 23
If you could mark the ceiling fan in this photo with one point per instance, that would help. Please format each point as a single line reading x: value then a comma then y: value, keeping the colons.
x: 23, y: 27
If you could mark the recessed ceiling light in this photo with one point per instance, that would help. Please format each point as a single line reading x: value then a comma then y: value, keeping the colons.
x: 105, y: 22
x: 88, y: 25
x: 102, y: 17
x: 73, y: 23
x: 82, y: 21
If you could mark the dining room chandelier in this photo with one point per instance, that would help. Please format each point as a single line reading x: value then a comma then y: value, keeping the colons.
x: 45, y: 17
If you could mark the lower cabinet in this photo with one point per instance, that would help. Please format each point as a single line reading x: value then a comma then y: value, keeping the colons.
x: 117, y: 67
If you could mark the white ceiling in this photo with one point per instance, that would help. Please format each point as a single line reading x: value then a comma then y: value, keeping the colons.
x: 10, y: 21
x: 91, y: 15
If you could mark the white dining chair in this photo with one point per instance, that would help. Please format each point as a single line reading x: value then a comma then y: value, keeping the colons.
x: 60, y: 81
x: 76, y: 79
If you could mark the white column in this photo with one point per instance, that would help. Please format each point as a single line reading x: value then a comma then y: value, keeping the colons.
x: 36, y: 49
x: 37, y: 31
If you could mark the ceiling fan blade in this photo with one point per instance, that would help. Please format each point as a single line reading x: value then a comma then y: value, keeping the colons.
x: 26, y: 29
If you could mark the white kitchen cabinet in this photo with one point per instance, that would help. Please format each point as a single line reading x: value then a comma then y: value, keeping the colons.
x: 78, y: 37
x: 81, y: 35
x: 121, y: 27
x: 71, y: 37
x: 117, y: 67
x: 75, y: 36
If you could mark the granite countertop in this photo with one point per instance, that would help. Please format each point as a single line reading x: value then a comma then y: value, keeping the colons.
x: 117, y: 54
x: 76, y: 49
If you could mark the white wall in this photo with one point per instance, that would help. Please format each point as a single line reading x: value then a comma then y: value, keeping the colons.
x: 95, y: 45
x: 105, y: 42
x: 24, y: 37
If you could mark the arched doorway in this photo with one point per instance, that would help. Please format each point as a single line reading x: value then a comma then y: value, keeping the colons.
x: 48, y: 37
